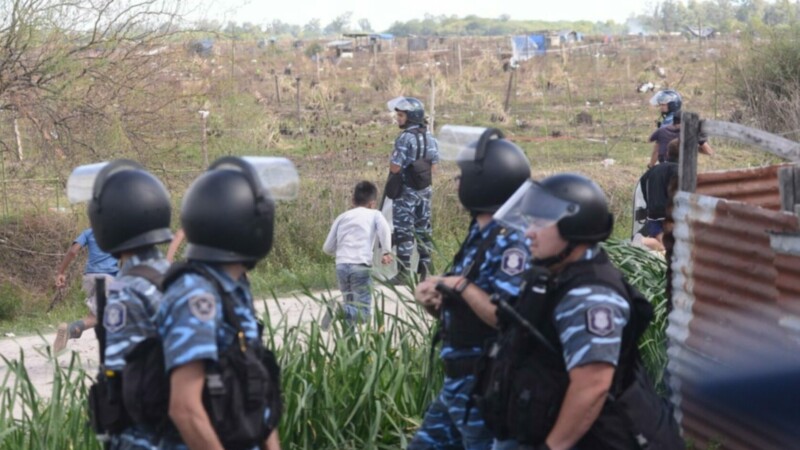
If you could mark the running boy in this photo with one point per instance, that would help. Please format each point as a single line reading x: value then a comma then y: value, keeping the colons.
x: 351, y: 240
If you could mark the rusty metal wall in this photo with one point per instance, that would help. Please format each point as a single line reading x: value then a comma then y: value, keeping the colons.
x: 735, y: 299
x: 757, y: 186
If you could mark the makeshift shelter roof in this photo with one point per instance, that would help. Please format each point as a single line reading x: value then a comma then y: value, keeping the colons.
x: 342, y: 43
x: 384, y: 36
x: 700, y: 32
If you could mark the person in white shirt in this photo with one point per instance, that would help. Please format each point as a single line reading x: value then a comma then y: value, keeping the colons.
x: 351, y: 240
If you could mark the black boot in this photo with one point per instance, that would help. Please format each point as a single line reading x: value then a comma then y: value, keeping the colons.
x: 423, y: 270
x: 403, y: 277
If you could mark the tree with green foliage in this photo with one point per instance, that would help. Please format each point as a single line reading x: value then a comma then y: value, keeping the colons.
x: 313, y: 28
x: 364, y: 25
x: 340, y: 24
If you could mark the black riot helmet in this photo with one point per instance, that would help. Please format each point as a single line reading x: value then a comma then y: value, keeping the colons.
x: 573, y: 202
x: 491, y: 171
x: 414, y: 109
x: 129, y: 208
x: 228, y: 214
x: 590, y: 221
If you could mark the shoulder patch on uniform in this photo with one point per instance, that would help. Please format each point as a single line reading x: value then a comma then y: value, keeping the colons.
x: 203, y: 306
x: 513, y: 261
x: 115, y: 285
x: 600, y: 320
x: 114, y: 317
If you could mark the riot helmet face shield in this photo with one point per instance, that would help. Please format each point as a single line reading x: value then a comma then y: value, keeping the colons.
x: 492, y: 167
x: 86, y: 182
x: 532, y: 208
x: 667, y: 97
x: 228, y: 212
x: 128, y: 207
x: 413, y: 109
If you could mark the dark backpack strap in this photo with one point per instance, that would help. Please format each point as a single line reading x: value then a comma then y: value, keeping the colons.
x: 148, y: 273
x: 471, y: 272
x: 179, y: 269
x: 419, y: 144
x: 424, y: 145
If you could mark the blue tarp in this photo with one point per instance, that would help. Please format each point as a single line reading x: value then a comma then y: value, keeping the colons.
x: 525, y: 47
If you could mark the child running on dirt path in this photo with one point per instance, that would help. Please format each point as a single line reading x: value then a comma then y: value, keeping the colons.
x: 98, y: 264
x: 351, y: 240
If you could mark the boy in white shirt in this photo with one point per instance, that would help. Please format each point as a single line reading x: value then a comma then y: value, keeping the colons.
x: 351, y: 239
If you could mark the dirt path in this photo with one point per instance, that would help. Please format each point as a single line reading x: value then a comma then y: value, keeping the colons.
x: 293, y: 310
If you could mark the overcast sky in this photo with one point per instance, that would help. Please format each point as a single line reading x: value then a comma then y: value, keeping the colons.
x: 382, y: 14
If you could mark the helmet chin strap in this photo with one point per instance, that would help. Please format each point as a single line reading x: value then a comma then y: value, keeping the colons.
x: 556, y: 259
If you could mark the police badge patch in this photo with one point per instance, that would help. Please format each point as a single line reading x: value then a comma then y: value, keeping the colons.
x: 600, y: 320
x: 203, y: 306
x: 114, y: 317
x: 513, y: 261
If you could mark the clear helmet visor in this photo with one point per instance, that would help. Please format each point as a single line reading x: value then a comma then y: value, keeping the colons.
x: 402, y: 104
x: 278, y: 175
x: 458, y: 142
x: 664, y: 97
x: 83, y: 181
x: 461, y: 142
x: 532, y: 206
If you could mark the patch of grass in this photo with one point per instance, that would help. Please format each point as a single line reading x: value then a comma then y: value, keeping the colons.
x: 27, y: 421
x: 646, y: 272
x: 10, y: 301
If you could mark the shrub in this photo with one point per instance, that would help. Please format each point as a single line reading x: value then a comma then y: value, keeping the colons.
x: 766, y: 78
x: 10, y: 301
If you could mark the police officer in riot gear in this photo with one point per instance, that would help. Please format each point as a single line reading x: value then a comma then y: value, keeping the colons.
x: 130, y: 213
x: 489, y: 264
x: 669, y: 103
x: 412, y: 163
x: 224, y: 385
x: 566, y: 371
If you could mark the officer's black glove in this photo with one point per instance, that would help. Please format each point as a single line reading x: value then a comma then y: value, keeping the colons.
x: 446, y: 290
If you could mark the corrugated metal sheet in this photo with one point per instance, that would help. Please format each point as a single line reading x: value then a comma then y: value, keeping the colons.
x: 735, y: 299
x: 757, y: 186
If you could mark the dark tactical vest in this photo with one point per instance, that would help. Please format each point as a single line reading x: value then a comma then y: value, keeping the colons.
x: 522, y: 378
x: 238, y: 389
x: 465, y: 329
x: 143, y: 396
x: 418, y: 173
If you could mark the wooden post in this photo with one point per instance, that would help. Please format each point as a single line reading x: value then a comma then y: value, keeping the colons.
x: 433, y: 103
x: 460, y: 68
x: 687, y: 168
x: 18, y: 136
x: 627, y: 66
x: 298, y: 97
x: 508, y: 90
x: 277, y: 90
x: 789, y: 184
x: 716, y: 85
x: 204, y: 136
x: 3, y: 182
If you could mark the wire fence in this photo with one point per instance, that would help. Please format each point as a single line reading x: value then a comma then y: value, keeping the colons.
x: 329, y: 112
